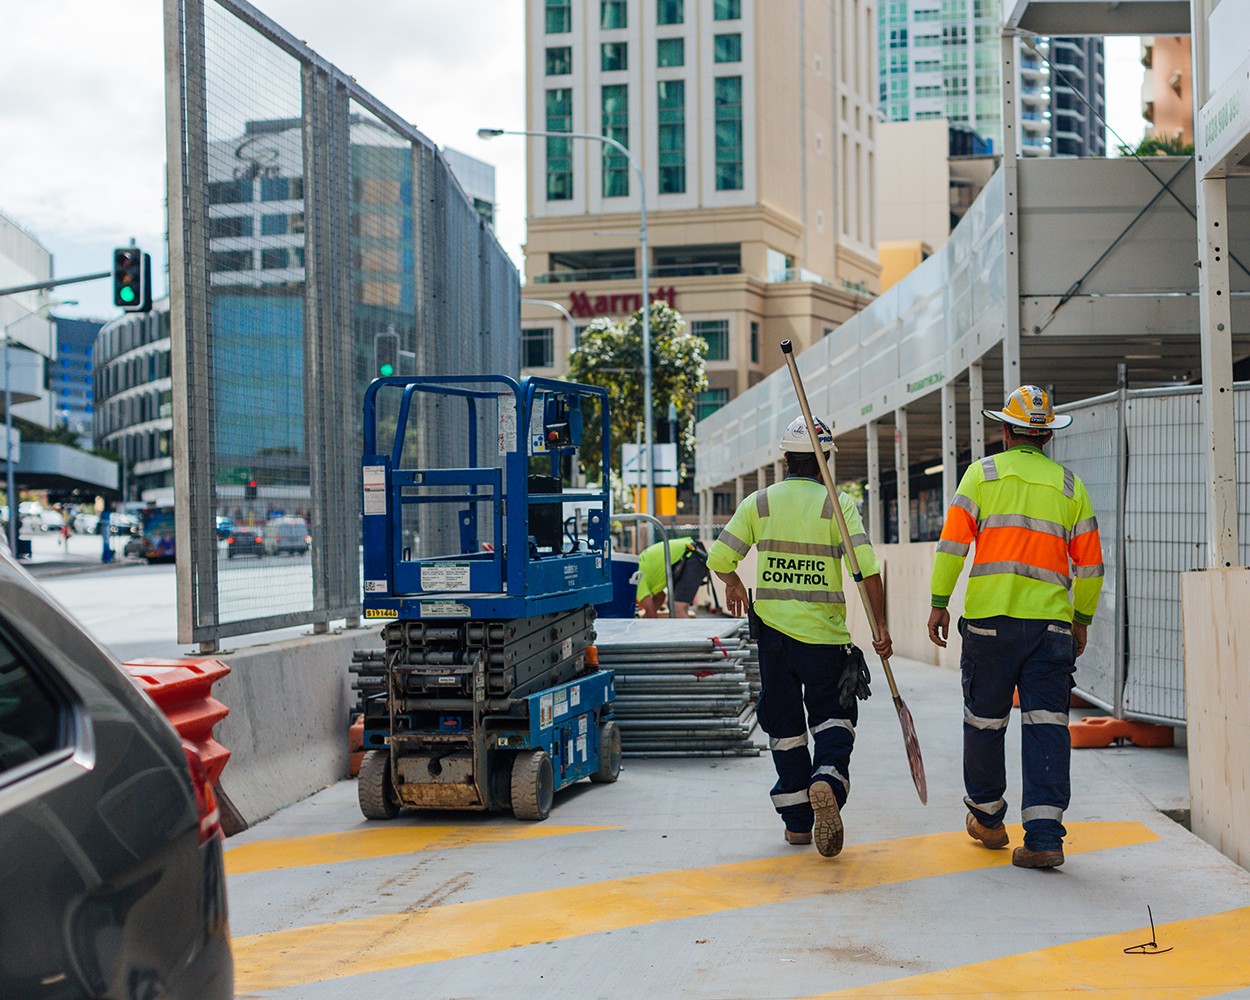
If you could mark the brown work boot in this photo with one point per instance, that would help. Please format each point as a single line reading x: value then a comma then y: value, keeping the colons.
x: 992, y: 837
x: 828, y: 828
x: 1023, y: 857
x: 798, y: 838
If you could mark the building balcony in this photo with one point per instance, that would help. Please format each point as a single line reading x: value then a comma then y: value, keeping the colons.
x: 688, y: 270
x: 1035, y: 123
x: 803, y: 274
x: 26, y: 381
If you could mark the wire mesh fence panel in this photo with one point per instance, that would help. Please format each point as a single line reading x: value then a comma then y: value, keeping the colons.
x: 1089, y: 448
x: 256, y: 320
x: 317, y: 241
x: 1164, y: 535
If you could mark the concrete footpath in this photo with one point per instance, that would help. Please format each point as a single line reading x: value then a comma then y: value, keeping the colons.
x: 675, y: 882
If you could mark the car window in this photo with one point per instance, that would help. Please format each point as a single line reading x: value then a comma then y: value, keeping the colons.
x: 30, y: 714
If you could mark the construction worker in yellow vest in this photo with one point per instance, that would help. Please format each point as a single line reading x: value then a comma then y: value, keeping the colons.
x: 1032, y: 592
x: 799, y: 617
x: 689, y: 560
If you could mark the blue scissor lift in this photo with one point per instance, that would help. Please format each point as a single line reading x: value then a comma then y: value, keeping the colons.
x: 492, y: 699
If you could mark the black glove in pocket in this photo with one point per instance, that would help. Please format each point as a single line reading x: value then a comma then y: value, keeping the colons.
x: 855, y: 679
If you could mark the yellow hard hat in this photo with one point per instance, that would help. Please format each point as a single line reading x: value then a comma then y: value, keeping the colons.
x: 1029, y: 407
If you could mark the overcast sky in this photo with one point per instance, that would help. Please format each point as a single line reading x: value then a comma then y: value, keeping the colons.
x: 82, y: 147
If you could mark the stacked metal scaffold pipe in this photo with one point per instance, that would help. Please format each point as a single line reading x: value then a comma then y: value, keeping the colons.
x: 684, y: 688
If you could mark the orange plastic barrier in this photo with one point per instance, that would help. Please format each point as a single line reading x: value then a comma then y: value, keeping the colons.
x: 182, y: 689
x: 1102, y: 731
x: 356, y: 744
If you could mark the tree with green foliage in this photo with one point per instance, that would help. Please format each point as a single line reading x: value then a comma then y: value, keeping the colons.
x: 1153, y: 145
x: 609, y: 355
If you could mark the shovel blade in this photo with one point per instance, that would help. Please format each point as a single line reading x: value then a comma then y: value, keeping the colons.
x: 912, y: 745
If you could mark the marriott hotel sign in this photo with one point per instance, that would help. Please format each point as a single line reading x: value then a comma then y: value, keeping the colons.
x: 589, y: 305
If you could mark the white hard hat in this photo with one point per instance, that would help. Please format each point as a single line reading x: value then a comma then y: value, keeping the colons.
x: 1029, y: 407
x: 796, y: 437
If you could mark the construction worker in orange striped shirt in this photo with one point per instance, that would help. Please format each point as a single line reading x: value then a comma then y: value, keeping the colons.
x: 1032, y: 592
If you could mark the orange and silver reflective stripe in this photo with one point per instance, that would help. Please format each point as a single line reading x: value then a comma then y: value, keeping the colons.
x: 1038, y: 524
x: 1041, y: 812
x: 787, y: 742
x: 1021, y: 569
x: 782, y: 799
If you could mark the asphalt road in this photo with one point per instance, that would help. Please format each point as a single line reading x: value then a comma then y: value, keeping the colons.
x: 132, y: 610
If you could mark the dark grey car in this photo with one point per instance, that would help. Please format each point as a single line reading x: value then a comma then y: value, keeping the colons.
x: 111, y: 876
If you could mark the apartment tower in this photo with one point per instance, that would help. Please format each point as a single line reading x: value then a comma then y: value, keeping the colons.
x: 753, y: 124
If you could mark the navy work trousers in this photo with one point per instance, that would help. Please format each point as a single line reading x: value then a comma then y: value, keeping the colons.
x: 795, y: 674
x: 1038, y: 658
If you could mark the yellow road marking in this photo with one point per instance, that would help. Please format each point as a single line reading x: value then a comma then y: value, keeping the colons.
x: 1208, y: 957
x: 456, y: 930
x: 379, y: 842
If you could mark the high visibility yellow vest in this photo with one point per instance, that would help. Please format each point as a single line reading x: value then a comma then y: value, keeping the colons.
x: 651, y: 575
x: 798, y: 586
x: 1036, y: 539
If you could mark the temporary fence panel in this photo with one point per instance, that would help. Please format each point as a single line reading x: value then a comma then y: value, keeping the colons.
x: 315, y: 236
x: 1090, y: 448
x: 1162, y: 535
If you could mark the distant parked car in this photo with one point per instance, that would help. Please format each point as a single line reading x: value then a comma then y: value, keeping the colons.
x: 285, y: 535
x: 122, y: 523
x: 225, y: 525
x: 114, y: 883
x: 245, y: 542
x: 86, y: 523
x: 51, y: 520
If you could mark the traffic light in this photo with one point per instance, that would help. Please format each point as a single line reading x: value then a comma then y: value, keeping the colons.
x: 249, y: 491
x: 132, y: 279
x: 386, y: 353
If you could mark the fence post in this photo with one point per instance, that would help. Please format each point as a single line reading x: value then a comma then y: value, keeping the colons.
x: 1120, y: 653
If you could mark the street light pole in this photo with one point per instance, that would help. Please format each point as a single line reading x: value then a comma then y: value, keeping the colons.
x: 10, y: 479
x: 648, y: 429
x: 562, y: 311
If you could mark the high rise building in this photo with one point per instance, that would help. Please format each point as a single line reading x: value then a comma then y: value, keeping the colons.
x: 70, y: 377
x: 943, y: 59
x: 753, y: 122
x: 1078, y: 102
x: 1167, y: 89
x: 24, y: 261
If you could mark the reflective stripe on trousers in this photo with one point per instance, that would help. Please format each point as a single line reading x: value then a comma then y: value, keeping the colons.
x: 1037, y: 657
x: 799, y: 688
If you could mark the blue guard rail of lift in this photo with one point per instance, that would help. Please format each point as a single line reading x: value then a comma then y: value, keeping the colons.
x: 535, y: 565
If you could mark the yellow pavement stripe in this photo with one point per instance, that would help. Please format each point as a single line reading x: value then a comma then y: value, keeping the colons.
x: 1208, y: 957
x: 456, y: 930
x: 380, y: 842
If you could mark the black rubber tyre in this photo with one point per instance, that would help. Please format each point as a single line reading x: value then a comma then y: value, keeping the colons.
x: 533, y: 785
x: 609, y: 754
x: 374, y: 788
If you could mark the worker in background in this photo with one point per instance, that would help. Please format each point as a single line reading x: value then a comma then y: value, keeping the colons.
x: 799, y: 617
x: 1031, y: 596
x: 689, y: 561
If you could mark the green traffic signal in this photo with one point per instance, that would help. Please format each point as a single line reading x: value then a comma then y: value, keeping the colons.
x: 126, y: 294
x: 385, y: 370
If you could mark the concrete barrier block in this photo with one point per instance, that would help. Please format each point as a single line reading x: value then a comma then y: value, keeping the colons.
x: 290, y: 706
